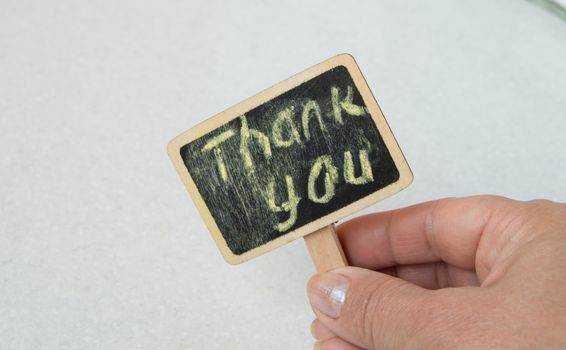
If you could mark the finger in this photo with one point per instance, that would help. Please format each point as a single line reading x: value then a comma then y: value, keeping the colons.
x: 335, y: 344
x: 319, y: 331
x: 434, y: 275
x: 370, y: 309
x: 443, y: 230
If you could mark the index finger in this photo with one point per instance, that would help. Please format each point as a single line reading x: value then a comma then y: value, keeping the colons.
x: 446, y: 230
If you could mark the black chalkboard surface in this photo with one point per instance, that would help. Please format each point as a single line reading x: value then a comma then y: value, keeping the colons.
x: 296, y: 157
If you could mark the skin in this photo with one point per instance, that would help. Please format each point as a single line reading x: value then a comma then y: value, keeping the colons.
x: 480, y: 272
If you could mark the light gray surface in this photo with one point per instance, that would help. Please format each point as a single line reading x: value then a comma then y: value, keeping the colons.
x: 101, y: 247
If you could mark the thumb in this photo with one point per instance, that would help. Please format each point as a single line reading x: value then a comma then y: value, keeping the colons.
x: 372, y: 310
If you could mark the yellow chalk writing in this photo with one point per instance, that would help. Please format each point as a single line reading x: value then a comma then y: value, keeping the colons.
x: 246, y: 135
x: 311, y: 108
x: 367, y: 172
x: 330, y: 179
x: 345, y: 105
x: 289, y: 206
x: 285, y: 118
x: 214, y: 144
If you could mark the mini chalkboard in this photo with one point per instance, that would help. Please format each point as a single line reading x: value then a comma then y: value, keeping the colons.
x: 290, y: 160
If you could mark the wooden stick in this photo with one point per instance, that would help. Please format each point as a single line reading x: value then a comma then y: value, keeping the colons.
x: 325, y: 249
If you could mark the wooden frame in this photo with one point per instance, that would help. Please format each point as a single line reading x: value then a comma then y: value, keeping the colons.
x: 346, y: 60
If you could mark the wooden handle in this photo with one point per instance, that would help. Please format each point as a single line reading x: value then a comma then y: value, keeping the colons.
x: 325, y: 249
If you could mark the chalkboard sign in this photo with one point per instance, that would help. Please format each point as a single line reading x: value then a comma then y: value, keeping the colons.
x: 290, y: 160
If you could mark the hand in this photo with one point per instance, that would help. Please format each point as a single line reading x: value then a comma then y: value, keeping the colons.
x: 478, y: 272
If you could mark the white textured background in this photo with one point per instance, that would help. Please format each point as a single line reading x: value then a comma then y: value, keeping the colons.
x: 101, y: 247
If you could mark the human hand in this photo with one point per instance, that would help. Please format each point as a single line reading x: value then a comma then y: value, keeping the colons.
x: 477, y: 272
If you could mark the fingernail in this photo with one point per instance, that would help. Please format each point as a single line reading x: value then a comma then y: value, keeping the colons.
x: 327, y: 293
x: 316, y: 346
